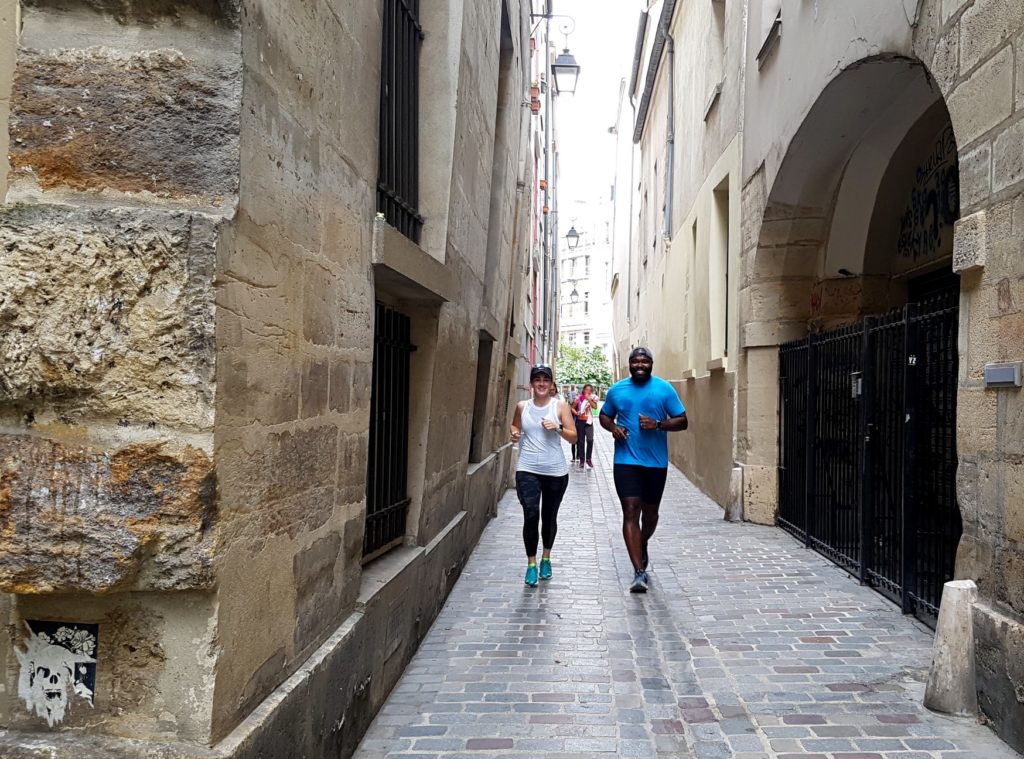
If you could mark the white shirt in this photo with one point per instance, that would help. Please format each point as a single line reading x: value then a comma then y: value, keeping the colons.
x: 540, y: 450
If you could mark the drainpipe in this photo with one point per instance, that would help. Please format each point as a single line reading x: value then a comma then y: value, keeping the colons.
x: 632, y: 194
x: 670, y: 137
x: 556, y: 273
x: 638, y: 52
x: 545, y: 355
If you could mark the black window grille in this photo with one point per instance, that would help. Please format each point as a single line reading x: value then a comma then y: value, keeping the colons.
x: 398, y: 160
x: 387, y: 499
x: 867, y: 447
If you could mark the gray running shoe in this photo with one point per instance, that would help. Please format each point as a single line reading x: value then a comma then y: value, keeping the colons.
x: 640, y: 582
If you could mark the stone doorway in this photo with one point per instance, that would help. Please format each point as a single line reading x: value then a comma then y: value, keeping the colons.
x: 862, y: 205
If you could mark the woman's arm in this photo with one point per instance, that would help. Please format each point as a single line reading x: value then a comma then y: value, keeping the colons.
x: 568, y: 425
x: 516, y: 430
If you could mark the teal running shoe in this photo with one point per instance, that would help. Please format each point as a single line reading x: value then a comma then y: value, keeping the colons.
x: 640, y: 582
x: 545, y: 569
x: 531, y: 576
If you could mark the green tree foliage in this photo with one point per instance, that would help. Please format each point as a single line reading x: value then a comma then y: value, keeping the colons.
x: 578, y: 366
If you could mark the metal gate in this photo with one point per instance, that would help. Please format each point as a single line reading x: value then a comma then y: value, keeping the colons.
x: 867, y: 449
x: 387, y: 499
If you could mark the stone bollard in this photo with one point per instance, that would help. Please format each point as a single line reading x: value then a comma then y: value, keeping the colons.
x: 951, y: 684
x: 734, y: 506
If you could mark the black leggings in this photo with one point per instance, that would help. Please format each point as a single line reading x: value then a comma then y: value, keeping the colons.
x: 540, y: 495
x: 584, y: 430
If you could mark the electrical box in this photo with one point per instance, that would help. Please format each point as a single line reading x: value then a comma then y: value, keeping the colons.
x: 1003, y: 374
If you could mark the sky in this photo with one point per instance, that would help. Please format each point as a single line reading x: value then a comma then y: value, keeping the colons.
x: 603, y: 46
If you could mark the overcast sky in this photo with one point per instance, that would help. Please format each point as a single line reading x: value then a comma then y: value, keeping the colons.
x: 603, y: 46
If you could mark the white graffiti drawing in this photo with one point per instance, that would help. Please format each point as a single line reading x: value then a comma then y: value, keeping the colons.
x: 53, y: 669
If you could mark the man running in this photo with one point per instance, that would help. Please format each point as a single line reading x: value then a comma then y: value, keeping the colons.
x: 639, y: 411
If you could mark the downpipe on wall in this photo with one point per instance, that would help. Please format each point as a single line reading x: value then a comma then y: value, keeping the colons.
x: 670, y: 137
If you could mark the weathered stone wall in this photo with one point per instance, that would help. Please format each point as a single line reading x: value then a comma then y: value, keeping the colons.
x: 295, y: 348
x: 987, y: 113
x: 294, y: 330
x: 10, y: 12
x: 123, y: 149
x: 705, y: 452
x: 190, y: 271
x: 971, y: 51
x: 676, y: 286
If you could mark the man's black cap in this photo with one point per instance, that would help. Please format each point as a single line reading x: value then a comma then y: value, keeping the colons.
x: 539, y: 369
x: 642, y: 352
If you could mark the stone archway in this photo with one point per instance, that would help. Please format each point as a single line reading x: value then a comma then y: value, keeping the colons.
x: 846, y: 223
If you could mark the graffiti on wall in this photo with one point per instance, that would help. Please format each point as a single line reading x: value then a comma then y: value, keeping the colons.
x: 57, y: 667
x: 934, y: 203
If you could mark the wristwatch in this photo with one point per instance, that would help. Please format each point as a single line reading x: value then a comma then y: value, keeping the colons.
x: 658, y: 425
x: 561, y: 427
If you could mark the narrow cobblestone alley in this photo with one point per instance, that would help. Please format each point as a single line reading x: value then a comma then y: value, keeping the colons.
x: 748, y: 646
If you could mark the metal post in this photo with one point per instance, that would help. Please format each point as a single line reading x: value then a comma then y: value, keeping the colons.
x: 865, y: 507
x: 811, y: 433
x: 908, y: 521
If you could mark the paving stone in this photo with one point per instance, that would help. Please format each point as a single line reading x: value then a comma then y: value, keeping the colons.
x: 748, y: 646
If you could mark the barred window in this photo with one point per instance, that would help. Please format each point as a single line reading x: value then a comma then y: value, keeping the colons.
x: 398, y: 173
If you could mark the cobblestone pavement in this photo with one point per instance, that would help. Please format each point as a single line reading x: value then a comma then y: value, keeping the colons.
x: 747, y: 646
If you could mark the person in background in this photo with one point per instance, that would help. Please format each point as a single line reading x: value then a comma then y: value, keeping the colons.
x: 583, y: 409
x: 570, y: 397
x: 639, y: 411
x: 539, y: 425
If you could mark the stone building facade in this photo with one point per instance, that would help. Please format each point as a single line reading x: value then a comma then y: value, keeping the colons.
x: 243, y: 308
x: 678, y: 200
x: 879, y: 154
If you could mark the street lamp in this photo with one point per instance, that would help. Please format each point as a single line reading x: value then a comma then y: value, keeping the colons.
x: 566, y: 72
x: 572, y: 238
x: 574, y: 296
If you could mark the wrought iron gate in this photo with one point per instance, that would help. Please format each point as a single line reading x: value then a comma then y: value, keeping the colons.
x: 387, y: 499
x: 867, y: 449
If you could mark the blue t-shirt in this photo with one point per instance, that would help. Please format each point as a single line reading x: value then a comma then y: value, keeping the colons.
x: 625, y: 401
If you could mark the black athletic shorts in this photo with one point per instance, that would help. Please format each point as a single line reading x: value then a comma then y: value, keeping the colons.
x: 645, y: 482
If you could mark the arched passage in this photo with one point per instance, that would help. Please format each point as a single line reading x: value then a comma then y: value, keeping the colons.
x: 857, y: 224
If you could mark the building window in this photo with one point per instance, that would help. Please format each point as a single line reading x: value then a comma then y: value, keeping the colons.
x: 718, y: 272
x: 586, y: 338
x: 387, y: 497
x: 586, y: 266
x: 398, y: 173
x: 586, y: 303
x: 477, y: 448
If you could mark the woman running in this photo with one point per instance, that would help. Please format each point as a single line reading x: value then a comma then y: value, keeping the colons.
x: 583, y: 410
x: 542, y: 474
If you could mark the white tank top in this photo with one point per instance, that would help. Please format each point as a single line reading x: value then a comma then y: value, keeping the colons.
x: 540, y: 450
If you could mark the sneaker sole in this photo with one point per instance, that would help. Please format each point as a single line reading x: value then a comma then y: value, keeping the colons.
x: 637, y: 589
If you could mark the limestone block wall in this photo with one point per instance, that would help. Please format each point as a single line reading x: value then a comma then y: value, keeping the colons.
x: 678, y: 301
x: 986, y: 101
x: 189, y: 265
x: 122, y: 136
x: 10, y: 19
x: 971, y: 49
x: 294, y: 344
x: 296, y: 294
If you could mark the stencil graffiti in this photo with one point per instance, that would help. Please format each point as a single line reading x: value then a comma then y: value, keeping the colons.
x: 934, y: 201
x: 57, y: 666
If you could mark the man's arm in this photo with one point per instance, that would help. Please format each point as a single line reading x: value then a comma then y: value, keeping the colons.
x: 675, y: 423
x: 618, y: 432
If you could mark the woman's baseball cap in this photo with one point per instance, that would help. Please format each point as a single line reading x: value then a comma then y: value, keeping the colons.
x: 539, y: 369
